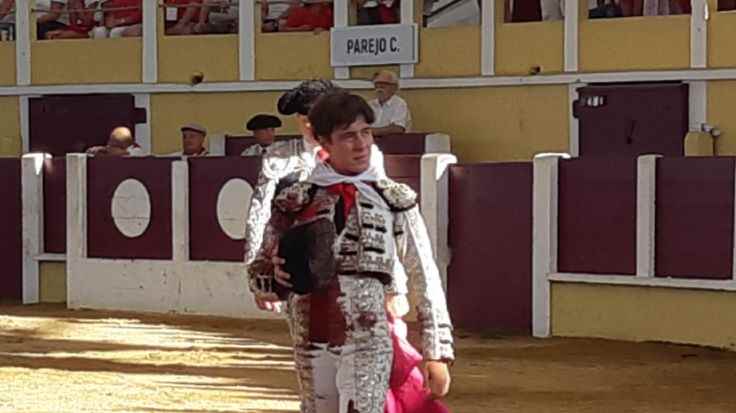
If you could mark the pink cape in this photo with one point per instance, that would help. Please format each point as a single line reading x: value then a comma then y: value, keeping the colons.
x: 406, y: 393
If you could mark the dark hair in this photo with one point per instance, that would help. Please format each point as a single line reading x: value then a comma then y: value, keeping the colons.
x: 302, y: 98
x: 338, y: 110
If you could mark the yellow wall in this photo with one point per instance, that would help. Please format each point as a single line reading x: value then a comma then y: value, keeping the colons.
x: 293, y: 56
x: 492, y: 124
x: 486, y: 124
x: 218, y: 112
x: 86, y: 61
x: 449, y: 52
x: 644, y: 314
x: 10, y: 141
x: 721, y: 110
x: 366, y: 72
x: 634, y: 43
x: 721, y: 32
x: 52, y: 280
x: 216, y: 56
x: 7, y: 59
x: 521, y: 46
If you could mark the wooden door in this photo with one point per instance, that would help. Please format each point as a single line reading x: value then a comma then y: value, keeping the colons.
x: 631, y: 120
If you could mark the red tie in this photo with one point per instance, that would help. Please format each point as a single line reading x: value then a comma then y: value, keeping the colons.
x: 347, y: 192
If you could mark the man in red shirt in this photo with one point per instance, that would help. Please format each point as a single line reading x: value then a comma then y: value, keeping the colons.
x: 315, y: 16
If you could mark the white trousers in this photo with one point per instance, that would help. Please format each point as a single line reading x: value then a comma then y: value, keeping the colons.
x: 334, y: 382
x: 352, y: 377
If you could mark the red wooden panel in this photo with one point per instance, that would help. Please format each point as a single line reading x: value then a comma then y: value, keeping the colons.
x: 695, y: 210
x: 54, y: 205
x: 65, y: 124
x: 726, y: 5
x: 402, y: 144
x: 11, y: 240
x: 631, y: 120
x: 207, y: 176
x: 405, y: 169
x: 104, y: 239
x: 235, y: 145
x: 597, y: 216
x: 489, y: 279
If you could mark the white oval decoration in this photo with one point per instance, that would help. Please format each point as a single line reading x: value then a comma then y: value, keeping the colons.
x: 131, y: 208
x: 233, y: 203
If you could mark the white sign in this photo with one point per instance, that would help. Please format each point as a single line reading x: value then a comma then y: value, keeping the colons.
x: 374, y: 45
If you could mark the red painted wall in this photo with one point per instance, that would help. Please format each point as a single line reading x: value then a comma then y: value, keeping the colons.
x: 104, y: 239
x: 11, y: 231
x: 406, y: 169
x: 489, y: 279
x: 597, y: 216
x: 54, y: 205
x: 207, y: 241
x: 404, y: 144
x: 695, y: 198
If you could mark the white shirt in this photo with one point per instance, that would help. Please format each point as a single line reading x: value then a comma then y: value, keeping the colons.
x: 254, y: 150
x: 394, y: 112
x: 277, y: 9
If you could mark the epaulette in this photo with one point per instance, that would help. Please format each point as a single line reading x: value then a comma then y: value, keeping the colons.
x: 279, y: 159
x: 399, y: 197
x: 293, y: 198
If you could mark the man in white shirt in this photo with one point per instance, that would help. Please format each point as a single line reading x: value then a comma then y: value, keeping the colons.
x: 392, y: 112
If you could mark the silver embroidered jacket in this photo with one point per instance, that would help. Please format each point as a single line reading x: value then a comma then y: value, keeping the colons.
x: 370, y: 246
x: 286, y: 162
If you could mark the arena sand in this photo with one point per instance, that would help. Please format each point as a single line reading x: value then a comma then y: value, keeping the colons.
x: 56, y: 360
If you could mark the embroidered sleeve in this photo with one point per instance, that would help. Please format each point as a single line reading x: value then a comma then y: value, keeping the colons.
x: 259, y: 215
x: 415, y: 252
x: 260, y: 268
x: 399, y: 197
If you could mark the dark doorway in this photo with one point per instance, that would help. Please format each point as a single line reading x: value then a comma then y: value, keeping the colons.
x: 69, y: 124
x: 633, y: 119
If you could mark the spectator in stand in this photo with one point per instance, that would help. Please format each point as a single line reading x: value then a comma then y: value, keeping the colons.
x: 51, y: 16
x: 7, y: 20
x: 264, y: 130
x: 7, y: 11
x: 188, y: 14
x: 552, y: 9
x: 193, y: 136
x: 627, y: 8
x: 391, y: 111
x: 81, y: 20
x: 275, y: 13
x: 123, y: 18
x: 377, y: 12
x: 313, y: 15
x: 121, y: 143
x: 221, y: 17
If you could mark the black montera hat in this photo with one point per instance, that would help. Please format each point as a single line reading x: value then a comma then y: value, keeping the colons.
x: 262, y: 121
x: 301, y: 98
